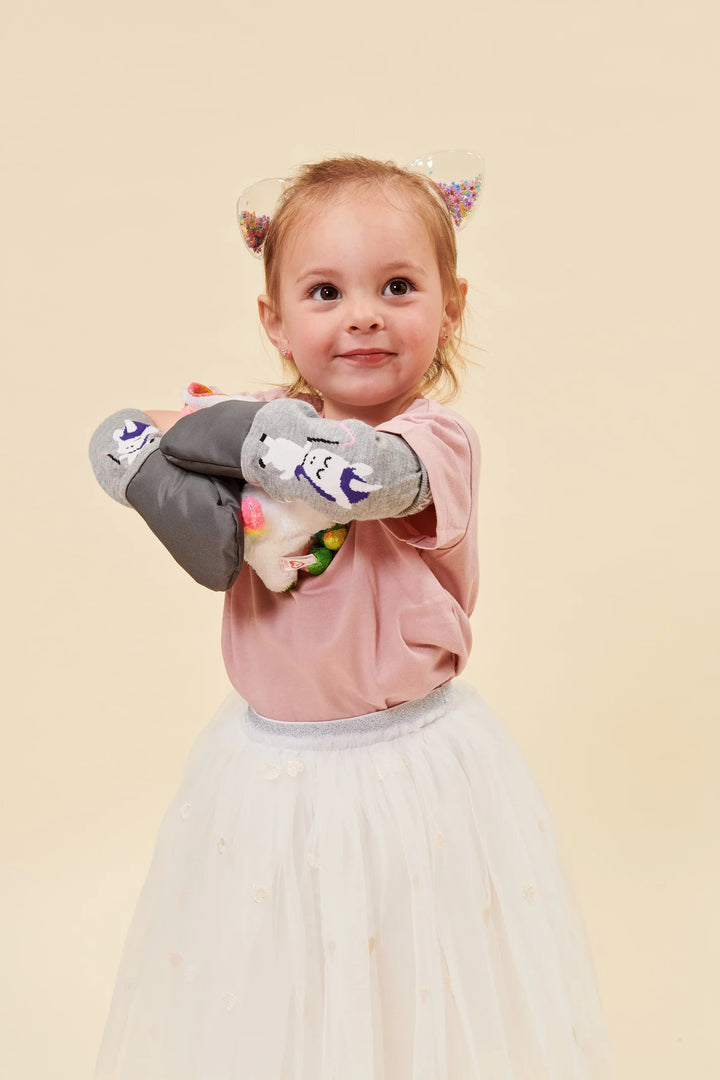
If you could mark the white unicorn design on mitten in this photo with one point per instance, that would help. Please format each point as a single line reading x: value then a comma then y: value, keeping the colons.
x: 331, y: 475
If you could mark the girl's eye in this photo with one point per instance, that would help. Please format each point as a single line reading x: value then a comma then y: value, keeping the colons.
x: 398, y: 287
x: 324, y: 292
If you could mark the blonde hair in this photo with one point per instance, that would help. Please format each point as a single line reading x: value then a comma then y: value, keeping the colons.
x: 314, y: 185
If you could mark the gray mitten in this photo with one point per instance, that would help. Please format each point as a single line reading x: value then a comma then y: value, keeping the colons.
x: 118, y: 448
x: 210, y: 440
x: 346, y: 468
x: 195, y: 517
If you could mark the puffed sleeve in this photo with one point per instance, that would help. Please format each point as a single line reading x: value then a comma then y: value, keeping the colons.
x: 449, y: 449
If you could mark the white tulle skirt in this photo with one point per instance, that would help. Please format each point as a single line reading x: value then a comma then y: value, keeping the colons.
x: 378, y: 898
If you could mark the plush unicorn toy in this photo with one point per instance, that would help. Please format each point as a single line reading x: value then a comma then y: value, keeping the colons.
x: 273, y: 530
x: 281, y: 538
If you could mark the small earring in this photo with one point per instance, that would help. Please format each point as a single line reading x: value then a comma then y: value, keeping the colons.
x: 284, y: 354
x: 445, y: 336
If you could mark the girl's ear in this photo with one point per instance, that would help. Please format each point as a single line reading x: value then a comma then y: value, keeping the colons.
x: 454, y: 310
x: 272, y: 324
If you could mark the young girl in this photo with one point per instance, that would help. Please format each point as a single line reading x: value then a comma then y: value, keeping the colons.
x: 358, y: 878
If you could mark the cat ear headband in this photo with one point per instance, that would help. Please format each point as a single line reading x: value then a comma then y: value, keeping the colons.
x: 458, y: 176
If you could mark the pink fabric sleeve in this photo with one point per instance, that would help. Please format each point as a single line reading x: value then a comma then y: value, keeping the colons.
x: 449, y: 449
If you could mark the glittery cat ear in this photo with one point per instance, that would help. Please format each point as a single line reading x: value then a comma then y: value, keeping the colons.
x: 255, y: 208
x: 458, y: 176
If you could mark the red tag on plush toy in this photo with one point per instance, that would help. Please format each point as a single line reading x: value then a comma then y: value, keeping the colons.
x: 297, y: 562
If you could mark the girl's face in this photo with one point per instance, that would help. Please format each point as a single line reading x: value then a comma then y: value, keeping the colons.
x: 361, y: 308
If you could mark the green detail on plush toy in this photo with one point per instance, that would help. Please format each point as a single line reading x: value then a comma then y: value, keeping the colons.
x: 333, y: 539
x: 284, y: 538
x: 323, y: 558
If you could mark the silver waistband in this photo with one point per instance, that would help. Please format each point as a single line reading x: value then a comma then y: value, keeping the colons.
x: 379, y: 726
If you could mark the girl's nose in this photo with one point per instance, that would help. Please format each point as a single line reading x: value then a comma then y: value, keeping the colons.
x: 363, y: 315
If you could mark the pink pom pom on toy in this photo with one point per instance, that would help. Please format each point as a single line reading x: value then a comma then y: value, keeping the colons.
x: 252, y: 516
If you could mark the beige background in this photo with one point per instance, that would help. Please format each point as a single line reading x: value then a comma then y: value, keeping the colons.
x: 131, y: 128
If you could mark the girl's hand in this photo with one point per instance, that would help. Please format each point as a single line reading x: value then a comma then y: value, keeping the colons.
x: 164, y: 418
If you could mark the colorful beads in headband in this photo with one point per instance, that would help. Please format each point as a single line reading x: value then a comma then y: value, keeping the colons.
x: 457, y: 174
x: 254, y: 210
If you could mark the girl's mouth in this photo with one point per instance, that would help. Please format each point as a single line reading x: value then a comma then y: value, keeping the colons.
x: 368, y: 356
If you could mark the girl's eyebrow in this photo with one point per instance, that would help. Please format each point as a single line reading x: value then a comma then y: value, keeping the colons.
x: 406, y: 266
x: 320, y: 272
